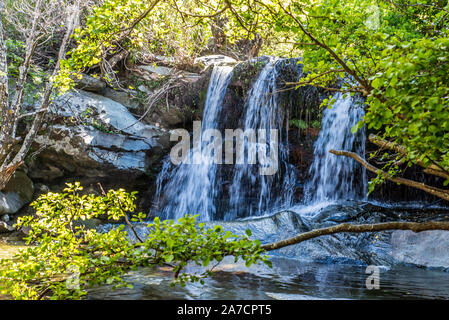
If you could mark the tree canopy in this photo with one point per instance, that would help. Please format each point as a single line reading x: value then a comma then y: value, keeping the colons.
x: 393, y: 53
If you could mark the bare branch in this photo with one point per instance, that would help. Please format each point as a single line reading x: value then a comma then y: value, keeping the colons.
x: 347, y: 69
x: 441, y: 193
x: 361, y: 228
x: 309, y: 81
x: 429, y: 168
x: 23, y: 70
x: 45, y: 102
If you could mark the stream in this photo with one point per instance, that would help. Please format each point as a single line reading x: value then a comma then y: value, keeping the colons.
x: 411, y: 265
x: 289, y: 280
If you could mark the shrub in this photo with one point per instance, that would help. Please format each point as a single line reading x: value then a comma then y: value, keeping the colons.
x: 62, y: 249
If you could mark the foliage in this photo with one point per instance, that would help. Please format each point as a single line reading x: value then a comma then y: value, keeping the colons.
x: 61, y: 245
x: 125, y: 24
x: 301, y: 124
x: 393, y: 53
x: 414, y: 111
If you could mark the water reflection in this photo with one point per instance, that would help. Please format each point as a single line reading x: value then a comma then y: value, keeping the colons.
x: 289, y: 279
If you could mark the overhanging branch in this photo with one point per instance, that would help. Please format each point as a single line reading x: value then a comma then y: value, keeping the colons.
x: 441, y: 193
x: 360, y: 228
x: 430, y: 169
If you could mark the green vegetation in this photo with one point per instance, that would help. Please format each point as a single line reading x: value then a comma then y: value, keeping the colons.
x: 60, y: 244
x: 301, y: 124
x: 392, y: 54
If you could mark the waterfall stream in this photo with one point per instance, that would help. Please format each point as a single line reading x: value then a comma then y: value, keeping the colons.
x: 334, y: 177
x: 198, y: 188
x: 189, y: 188
x: 229, y: 192
x: 251, y: 193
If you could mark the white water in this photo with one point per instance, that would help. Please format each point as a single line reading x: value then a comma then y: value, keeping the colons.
x: 191, y: 188
x: 336, y: 177
x: 251, y: 193
x: 198, y: 188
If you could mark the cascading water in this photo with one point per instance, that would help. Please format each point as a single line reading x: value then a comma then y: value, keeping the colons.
x: 198, y: 188
x: 334, y: 177
x: 190, y: 188
x: 251, y: 193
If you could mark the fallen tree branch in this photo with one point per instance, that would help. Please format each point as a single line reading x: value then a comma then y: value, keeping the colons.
x: 430, y: 169
x: 441, y: 193
x: 361, y: 228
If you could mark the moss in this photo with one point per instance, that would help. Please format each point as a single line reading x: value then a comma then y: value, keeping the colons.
x: 202, y: 96
x: 245, y: 74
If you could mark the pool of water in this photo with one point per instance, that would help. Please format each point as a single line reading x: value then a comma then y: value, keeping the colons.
x: 412, y: 266
x: 288, y: 280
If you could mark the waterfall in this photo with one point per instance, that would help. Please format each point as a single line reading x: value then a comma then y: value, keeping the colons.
x: 251, y: 193
x: 229, y: 191
x: 335, y: 177
x: 191, y: 188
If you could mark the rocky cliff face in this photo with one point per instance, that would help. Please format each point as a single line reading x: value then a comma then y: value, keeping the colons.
x: 96, y: 134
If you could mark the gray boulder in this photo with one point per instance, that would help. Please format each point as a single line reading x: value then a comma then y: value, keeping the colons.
x: 111, y: 114
x: 17, y: 193
x: 89, y: 83
x: 85, y: 151
x: 109, y: 139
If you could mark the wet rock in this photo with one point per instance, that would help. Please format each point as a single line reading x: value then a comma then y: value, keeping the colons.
x: 389, y: 248
x: 427, y: 248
